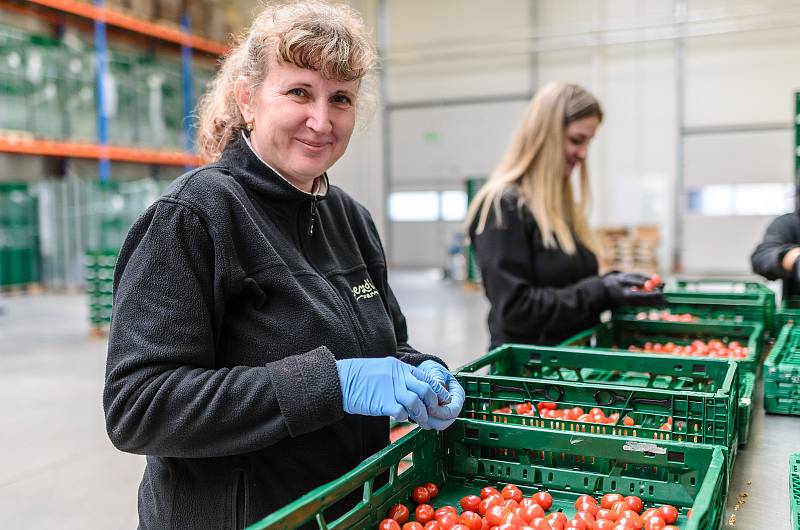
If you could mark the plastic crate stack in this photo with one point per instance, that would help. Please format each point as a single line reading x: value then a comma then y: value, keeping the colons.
x: 19, y: 236
x: 794, y: 490
x: 782, y: 373
x: 472, y: 454
x: 736, y: 306
x: 99, y: 285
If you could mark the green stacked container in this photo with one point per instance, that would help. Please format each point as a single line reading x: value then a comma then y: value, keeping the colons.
x: 700, y: 398
x: 473, y: 185
x: 14, y: 87
x: 473, y: 454
x: 78, y: 87
x: 160, y: 96
x: 124, y: 98
x: 99, y: 283
x: 19, y: 235
x: 45, y: 62
x: 794, y: 490
x: 782, y: 373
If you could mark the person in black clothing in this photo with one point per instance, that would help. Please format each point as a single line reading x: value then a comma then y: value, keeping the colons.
x: 532, y: 241
x: 256, y: 349
x: 776, y: 256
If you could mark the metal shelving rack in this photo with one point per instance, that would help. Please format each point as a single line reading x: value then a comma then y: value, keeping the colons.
x: 54, y: 11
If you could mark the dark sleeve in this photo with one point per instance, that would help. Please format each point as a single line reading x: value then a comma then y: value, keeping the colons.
x: 504, y: 254
x: 165, y: 393
x: 782, y: 235
x: 405, y: 352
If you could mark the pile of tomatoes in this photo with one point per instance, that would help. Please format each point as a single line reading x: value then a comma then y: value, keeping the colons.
x: 550, y: 410
x: 666, y: 316
x: 713, y: 348
x: 509, y: 509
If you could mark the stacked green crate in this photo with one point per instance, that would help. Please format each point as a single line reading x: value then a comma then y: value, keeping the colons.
x: 99, y: 282
x: 747, y: 384
x: 45, y: 61
x: 123, y: 96
x: 14, y: 87
x: 19, y: 235
x: 698, y: 400
x: 161, y: 97
x: 471, y: 454
x: 794, y: 490
x: 474, y: 184
x: 782, y: 373
x: 78, y: 87
x: 788, y: 313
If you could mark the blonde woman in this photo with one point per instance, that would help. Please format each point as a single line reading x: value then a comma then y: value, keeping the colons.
x: 256, y: 348
x: 534, y: 247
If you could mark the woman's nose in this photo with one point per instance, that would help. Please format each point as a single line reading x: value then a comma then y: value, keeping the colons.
x: 319, y: 119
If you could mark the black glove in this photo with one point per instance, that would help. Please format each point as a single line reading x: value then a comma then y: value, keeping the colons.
x: 627, y: 288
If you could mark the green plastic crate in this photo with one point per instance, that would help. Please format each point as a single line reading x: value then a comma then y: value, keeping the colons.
x: 724, y: 292
x: 721, y: 310
x: 746, y: 385
x: 701, y: 397
x: 782, y: 373
x: 620, y: 335
x: 472, y: 454
x: 788, y: 313
x: 99, y: 274
x: 794, y: 490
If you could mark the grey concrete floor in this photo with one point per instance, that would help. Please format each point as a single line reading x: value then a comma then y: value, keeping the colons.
x: 58, y: 469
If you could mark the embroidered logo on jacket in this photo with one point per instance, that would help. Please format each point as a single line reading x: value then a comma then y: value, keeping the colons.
x: 365, y: 290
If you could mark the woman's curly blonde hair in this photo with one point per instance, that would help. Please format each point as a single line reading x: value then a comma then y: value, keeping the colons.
x: 330, y: 39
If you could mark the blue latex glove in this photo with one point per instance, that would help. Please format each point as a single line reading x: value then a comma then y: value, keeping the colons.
x: 444, y: 413
x: 388, y: 387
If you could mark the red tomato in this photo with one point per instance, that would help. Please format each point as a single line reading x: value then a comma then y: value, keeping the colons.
x: 557, y: 519
x: 628, y: 522
x: 670, y: 513
x: 540, y: 524
x: 654, y: 522
x: 628, y: 422
x: 510, y: 504
x: 512, y: 492
x: 399, y: 513
x: 447, y: 520
x: 620, y: 507
x: 656, y: 279
x: 635, y: 503
x: 444, y: 510
x: 470, y: 503
x: 488, y: 502
x: 586, y: 517
x: 608, y: 515
x: 576, y: 524
x: 432, y: 488
x: 420, y: 495
x: 424, y: 513
x: 458, y: 526
x: 648, y: 285
x: 530, y: 512
x: 496, y: 514
x: 433, y: 525
x: 388, y: 524
x: 413, y: 526
x: 471, y: 520
x: 543, y: 499
x: 604, y: 524
x: 488, y: 490
x: 588, y: 507
x: 549, y: 405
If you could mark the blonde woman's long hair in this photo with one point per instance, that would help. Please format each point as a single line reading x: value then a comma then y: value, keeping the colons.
x: 534, y: 163
x: 330, y: 39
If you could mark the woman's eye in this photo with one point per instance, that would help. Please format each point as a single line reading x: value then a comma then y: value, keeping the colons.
x: 299, y: 92
x: 341, y: 99
x: 575, y: 141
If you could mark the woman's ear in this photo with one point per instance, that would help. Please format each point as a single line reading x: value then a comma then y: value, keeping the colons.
x: 244, y: 99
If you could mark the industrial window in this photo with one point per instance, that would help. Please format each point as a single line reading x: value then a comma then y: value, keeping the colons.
x: 741, y: 199
x: 410, y: 206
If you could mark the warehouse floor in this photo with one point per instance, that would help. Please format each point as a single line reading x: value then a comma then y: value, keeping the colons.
x: 59, y: 469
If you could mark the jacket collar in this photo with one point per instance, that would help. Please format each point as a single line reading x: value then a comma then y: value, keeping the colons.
x: 253, y: 173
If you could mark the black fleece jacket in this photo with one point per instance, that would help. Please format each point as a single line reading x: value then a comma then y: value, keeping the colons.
x: 538, y: 295
x: 228, y: 319
x: 782, y: 235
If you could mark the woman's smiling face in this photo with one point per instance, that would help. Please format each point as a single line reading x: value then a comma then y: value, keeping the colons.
x: 302, y: 122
